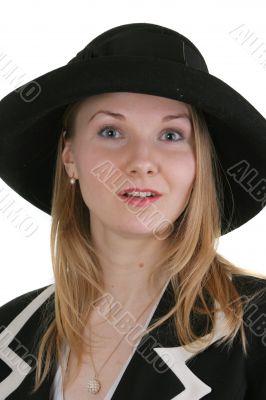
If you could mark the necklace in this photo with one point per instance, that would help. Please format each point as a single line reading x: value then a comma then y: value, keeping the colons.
x: 94, y: 384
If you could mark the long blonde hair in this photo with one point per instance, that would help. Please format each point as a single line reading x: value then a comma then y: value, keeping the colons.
x: 192, y: 262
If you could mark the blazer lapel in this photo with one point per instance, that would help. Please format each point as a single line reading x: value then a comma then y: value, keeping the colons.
x: 158, y: 369
x: 18, y: 352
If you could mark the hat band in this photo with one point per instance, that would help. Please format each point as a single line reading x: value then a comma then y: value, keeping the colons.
x: 152, y: 44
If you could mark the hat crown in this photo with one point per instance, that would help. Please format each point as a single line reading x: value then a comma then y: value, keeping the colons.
x: 143, y: 40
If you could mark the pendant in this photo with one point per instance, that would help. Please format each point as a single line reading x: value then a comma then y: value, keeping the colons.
x: 93, y: 385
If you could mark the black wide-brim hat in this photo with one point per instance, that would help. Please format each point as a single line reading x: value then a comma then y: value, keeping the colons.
x: 141, y: 58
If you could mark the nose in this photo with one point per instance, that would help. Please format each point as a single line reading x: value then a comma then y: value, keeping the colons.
x: 141, y: 160
x: 141, y: 169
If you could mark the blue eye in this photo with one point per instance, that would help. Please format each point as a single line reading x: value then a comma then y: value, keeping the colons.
x: 173, y: 131
x: 106, y: 128
x: 109, y: 128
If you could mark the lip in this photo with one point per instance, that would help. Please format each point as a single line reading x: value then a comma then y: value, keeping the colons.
x: 138, y: 201
x: 122, y: 192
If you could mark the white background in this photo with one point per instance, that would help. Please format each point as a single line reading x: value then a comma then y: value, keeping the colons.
x: 40, y: 36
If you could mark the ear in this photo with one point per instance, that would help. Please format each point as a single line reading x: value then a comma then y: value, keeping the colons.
x: 68, y: 160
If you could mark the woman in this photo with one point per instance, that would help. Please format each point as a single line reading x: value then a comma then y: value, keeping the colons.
x: 139, y: 155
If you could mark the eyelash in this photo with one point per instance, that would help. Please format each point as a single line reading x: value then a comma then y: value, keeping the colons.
x: 113, y: 127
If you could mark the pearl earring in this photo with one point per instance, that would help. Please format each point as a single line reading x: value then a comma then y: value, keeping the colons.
x: 72, y: 180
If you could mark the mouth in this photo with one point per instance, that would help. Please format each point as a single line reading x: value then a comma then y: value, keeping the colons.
x: 139, y: 200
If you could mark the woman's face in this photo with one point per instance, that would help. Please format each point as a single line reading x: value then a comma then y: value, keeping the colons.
x: 143, y: 148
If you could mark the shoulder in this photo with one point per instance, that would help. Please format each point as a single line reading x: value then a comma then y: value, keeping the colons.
x: 253, y: 289
x: 254, y: 320
x: 254, y: 317
x: 22, y: 322
x: 248, y: 285
x: 25, y: 306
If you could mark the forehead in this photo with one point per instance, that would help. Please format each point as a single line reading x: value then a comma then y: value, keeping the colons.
x: 132, y: 103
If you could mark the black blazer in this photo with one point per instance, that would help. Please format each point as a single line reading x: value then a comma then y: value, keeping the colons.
x: 160, y: 368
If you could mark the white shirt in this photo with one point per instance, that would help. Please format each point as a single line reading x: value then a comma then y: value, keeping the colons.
x: 56, y: 392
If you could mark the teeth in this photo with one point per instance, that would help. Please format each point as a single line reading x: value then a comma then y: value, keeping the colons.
x: 140, y: 194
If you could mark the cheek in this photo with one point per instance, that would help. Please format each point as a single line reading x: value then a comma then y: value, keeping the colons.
x: 182, y: 172
x: 95, y: 171
x: 184, y: 166
x: 89, y: 160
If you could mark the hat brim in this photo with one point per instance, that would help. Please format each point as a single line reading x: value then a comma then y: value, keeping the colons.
x: 30, y: 128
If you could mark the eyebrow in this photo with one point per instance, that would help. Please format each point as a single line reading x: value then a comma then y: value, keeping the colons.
x: 121, y: 116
